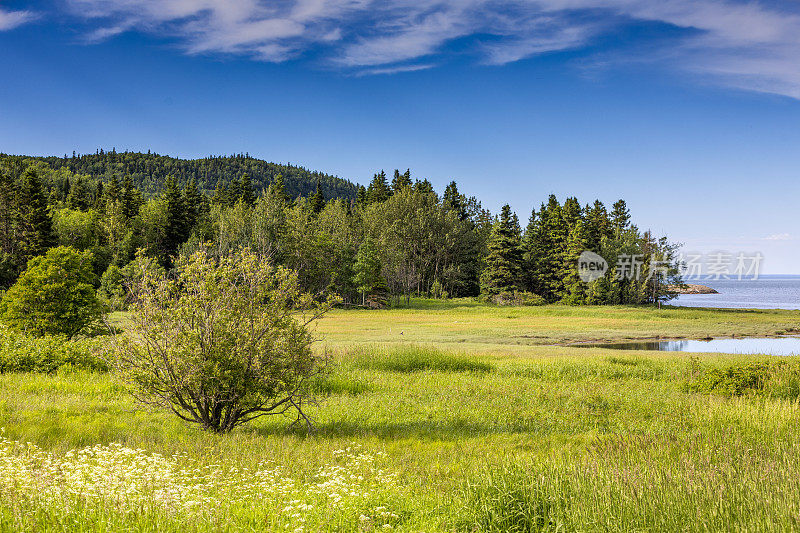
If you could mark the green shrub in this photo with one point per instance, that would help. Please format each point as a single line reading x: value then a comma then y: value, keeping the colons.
x: 775, y: 379
x: 418, y: 358
x: 54, y: 296
x: 20, y: 353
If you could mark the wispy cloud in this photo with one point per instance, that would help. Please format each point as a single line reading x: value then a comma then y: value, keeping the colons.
x: 395, y: 69
x: 13, y: 19
x: 741, y: 43
x: 778, y: 237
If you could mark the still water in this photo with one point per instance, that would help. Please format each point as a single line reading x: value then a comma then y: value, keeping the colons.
x: 767, y: 292
x: 766, y: 346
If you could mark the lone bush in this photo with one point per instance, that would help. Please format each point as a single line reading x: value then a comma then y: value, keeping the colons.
x: 54, y: 296
x: 221, y: 341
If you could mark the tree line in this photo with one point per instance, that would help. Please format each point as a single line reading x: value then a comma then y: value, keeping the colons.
x: 393, y: 238
x: 149, y: 171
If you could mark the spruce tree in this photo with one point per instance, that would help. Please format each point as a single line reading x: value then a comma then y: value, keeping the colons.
x: 620, y: 217
x: 574, y: 287
x: 279, y: 189
x: 400, y: 181
x: 9, y: 263
x: 176, y: 223
x: 78, y: 197
x: 246, y: 193
x: 424, y: 186
x: 378, y: 190
x: 131, y: 198
x: 317, y: 200
x: 7, y: 205
x: 551, y: 250
x: 34, y: 225
x: 361, y: 196
x: 598, y: 225
x: 504, y: 259
x: 453, y: 200
x: 531, y: 249
x: 99, y: 202
x: 193, y: 200
x: 112, y: 192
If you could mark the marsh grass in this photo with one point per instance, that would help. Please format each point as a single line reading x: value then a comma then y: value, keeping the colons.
x: 338, y: 383
x: 549, y: 438
x: 637, y: 483
x: 413, y: 358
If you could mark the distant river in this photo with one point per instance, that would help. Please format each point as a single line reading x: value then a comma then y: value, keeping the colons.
x: 767, y: 292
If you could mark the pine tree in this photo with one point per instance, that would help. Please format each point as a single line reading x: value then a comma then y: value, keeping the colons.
x: 279, y: 188
x: 99, y: 202
x: 400, y: 181
x: 9, y: 265
x: 113, y: 190
x: 34, y: 225
x: 453, y: 200
x: 131, y: 198
x: 246, y: 193
x: 317, y: 201
x: 78, y: 197
x: 504, y: 260
x: 361, y: 196
x: 551, y: 250
x: 620, y: 217
x: 7, y: 205
x: 574, y: 287
x: 220, y: 194
x: 378, y: 190
x: 193, y: 200
x: 175, y: 231
x: 598, y: 225
x: 572, y: 212
x: 424, y: 187
x: 531, y: 248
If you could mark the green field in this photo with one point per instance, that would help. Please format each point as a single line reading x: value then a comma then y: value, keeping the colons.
x: 438, y: 417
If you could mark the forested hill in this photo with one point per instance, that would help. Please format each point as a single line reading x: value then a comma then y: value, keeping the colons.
x: 150, y: 170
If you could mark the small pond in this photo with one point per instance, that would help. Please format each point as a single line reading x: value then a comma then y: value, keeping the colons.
x: 766, y: 346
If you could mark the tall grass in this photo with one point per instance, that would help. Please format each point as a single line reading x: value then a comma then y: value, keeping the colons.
x: 707, y: 482
x: 476, y: 436
x: 413, y: 358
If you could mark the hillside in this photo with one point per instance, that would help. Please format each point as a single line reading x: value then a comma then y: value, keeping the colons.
x: 150, y: 170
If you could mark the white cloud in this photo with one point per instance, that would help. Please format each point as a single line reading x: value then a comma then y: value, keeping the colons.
x: 396, y: 69
x: 741, y: 43
x: 12, y: 19
x: 778, y: 237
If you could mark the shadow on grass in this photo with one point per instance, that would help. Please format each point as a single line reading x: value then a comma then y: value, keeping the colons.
x: 436, y: 430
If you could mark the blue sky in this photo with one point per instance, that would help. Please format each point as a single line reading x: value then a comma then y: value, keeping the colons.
x: 687, y: 109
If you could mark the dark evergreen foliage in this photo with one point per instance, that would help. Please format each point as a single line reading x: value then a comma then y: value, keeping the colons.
x: 149, y: 172
x: 370, y: 244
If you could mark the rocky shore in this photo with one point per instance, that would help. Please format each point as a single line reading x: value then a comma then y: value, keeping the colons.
x: 690, y: 288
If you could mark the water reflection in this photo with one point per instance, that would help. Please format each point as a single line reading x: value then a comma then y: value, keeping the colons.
x: 766, y: 346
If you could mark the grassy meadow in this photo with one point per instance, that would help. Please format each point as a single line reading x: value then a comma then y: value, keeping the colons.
x: 441, y: 416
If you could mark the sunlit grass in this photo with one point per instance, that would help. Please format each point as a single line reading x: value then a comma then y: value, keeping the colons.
x: 477, y: 435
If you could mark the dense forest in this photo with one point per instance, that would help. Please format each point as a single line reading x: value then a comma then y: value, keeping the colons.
x: 395, y: 238
x: 149, y: 171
